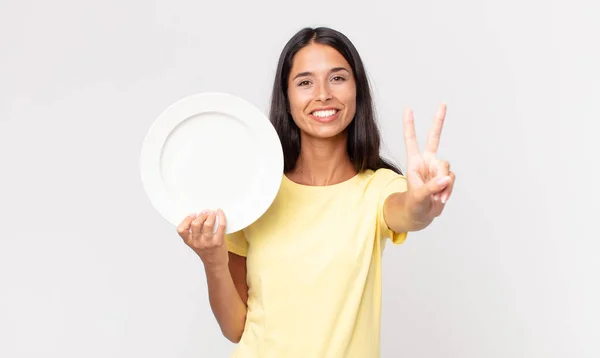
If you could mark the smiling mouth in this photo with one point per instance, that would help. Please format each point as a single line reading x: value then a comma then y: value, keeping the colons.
x: 325, y: 115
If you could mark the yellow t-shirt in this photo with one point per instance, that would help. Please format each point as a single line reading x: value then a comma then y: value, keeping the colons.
x: 314, y: 269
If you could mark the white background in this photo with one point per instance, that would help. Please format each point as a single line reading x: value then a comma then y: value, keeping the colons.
x: 89, y: 269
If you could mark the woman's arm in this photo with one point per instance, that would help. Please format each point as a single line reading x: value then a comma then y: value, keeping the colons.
x: 228, y: 296
x: 402, y: 215
x: 396, y: 215
x: 225, y: 272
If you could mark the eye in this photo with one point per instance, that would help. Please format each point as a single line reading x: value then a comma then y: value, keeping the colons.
x: 338, y: 78
x: 304, y: 83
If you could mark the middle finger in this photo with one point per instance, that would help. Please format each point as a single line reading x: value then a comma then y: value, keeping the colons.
x: 198, y: 224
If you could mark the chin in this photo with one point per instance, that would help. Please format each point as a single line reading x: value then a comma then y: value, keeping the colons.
x: 324, y: 132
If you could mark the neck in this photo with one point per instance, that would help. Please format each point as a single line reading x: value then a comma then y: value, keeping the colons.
x: 323, y: 161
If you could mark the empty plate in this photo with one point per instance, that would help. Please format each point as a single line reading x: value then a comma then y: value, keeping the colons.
x: 210, y: 151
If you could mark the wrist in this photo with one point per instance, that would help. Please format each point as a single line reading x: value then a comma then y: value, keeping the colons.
x: 216, y: 269
x: 416, y: 217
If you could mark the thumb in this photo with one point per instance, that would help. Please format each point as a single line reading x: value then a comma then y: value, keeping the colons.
x: 433, y: 186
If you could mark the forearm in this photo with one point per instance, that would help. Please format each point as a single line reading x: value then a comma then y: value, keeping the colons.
x: 225, y: 302
x: 400, y: 218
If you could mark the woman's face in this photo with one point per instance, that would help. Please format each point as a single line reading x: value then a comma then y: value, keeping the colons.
x: 321, y: 91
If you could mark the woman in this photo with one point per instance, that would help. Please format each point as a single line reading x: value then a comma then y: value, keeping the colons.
x: 304, y: 280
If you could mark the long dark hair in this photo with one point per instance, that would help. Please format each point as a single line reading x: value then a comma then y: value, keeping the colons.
x: 364, y: 139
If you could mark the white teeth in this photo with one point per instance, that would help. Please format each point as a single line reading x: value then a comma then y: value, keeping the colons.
x: 327, y: 113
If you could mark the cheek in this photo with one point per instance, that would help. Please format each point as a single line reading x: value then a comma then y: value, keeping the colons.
x: 298, y: 101
x: 347, y: 95
x: 350, y: 103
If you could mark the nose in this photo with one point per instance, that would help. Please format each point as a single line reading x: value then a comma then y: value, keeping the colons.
x: 323, y: 92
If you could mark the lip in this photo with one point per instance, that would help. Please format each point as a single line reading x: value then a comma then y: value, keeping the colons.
x: 325, y: 119
x: 324, y: 109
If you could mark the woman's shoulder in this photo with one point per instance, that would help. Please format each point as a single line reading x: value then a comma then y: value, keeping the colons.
x: 383, y: 180
x: 382, y: 175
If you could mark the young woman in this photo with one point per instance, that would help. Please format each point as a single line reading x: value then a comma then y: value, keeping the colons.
x: 304, y: 280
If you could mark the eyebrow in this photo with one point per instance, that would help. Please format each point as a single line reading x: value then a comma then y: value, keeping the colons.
x: 333, y: 70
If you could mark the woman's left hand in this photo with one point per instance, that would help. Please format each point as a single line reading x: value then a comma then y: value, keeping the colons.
x: 430, y: 180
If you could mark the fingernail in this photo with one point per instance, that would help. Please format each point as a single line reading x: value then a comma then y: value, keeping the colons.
x: 192, y: 215
x: 444, y: 199
x: 443, y: 180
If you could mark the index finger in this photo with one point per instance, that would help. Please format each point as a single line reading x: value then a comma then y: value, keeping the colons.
x: 183, y: 229
x: 433, y: 140
x: 410, y: 139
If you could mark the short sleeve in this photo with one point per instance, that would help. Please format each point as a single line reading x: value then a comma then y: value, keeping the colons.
x: 393, y: 185
x: 236, y: 243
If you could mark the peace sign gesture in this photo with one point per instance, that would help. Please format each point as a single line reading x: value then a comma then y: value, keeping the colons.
x: 430, y: 180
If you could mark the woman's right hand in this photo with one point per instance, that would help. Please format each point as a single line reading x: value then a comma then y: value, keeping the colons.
x: 197, y: 231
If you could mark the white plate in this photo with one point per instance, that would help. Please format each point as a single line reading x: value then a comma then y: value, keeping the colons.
x: 210, y: 151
